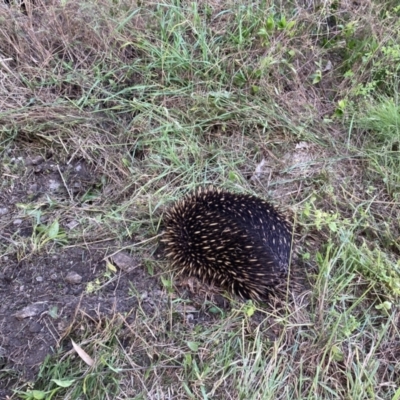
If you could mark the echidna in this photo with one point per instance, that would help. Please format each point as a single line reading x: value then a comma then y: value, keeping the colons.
x: 238, y: 241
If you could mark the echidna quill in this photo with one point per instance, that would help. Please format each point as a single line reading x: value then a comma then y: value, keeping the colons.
x: 237, y: 241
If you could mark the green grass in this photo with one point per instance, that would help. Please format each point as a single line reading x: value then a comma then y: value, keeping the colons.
x: 161, y: 98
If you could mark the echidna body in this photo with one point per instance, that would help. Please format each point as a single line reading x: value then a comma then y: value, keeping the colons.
x: 238, y: 241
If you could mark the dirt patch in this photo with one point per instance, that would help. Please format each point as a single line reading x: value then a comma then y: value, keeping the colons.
x: 38, y: 303
x: 45, y: 283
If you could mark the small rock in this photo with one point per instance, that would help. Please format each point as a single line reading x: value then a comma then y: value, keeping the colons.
x: 144, y: 296
x: 31, y: 310
x: 17, y: 221
x: 53, y: 184
x: 72, y: 224
x: 73, y: 277
x: 14, y: 160
x: 54, y: 167
x: 124, y: 261
x: 35, y: 327
x: 39, y: 278
x: 34, y: 160
x: 189, y: 319
x: 34, y: 188
x: 3, y: 211
x: 37, y: 160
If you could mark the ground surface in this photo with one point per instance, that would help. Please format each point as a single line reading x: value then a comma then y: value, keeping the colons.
x: 44, y: 292
x: 110, y: 111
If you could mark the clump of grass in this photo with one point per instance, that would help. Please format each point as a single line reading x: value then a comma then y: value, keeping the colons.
x: 380, y: 122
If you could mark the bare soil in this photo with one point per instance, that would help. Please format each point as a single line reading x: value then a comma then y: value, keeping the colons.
x: 43, y: 291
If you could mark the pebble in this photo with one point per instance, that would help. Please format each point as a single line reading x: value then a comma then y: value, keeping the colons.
x: 124, y: 261
x: 35, y: 327
x: 73, y: 277
x: 53, y: 184
x: 31, y: 311
x: 34, y: 160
